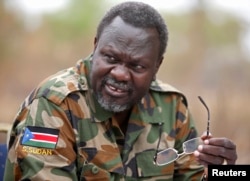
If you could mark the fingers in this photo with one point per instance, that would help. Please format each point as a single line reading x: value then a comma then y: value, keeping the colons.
x: 222, y: 142
x: 222, y: 147
x: 207, y: 158
x: 216, y: 151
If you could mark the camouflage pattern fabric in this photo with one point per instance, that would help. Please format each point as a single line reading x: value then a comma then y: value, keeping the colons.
x: 61, y: 133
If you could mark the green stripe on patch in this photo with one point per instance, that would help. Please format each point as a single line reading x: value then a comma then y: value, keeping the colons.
x: 39, y: 144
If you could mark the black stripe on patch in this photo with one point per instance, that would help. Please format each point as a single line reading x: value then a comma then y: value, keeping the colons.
x: 43, y: 130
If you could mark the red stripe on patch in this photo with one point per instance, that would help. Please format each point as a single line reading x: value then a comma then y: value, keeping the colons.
x: 46, y: 137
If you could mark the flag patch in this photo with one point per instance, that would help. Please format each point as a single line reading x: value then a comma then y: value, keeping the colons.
x: 40, y: 137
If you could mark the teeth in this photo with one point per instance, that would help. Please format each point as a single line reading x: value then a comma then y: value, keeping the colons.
x: 115, y: 89
x: 118, y: 90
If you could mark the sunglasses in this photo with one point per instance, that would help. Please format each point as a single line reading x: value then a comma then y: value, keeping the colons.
x: 169, y: 155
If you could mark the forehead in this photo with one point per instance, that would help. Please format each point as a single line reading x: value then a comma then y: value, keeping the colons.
x: 124, y: 33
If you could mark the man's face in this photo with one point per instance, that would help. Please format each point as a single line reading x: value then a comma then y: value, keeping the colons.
x: 125, y: 61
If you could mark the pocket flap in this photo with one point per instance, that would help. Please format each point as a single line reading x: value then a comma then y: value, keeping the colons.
x: 147, y: 168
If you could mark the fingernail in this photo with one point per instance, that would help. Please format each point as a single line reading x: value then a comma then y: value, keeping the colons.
x: 196, y: 153
x: 200, y: 147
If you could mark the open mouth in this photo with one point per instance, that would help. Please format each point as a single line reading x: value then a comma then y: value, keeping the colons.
x: 116, y: 89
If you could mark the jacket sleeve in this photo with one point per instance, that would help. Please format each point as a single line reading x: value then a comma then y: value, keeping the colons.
x: 41, y: 145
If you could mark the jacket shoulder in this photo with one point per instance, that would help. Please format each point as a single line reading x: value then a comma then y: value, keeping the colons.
x: 159, y: 86
x: 58, y: 86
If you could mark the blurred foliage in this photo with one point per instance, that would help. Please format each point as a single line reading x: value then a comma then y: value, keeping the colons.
x: 70, y: 23
x: 10, y: 31
x: 204, y: 57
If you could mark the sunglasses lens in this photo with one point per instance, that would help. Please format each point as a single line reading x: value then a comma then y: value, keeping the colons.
x: 191, y: 145
x: 166, y: 156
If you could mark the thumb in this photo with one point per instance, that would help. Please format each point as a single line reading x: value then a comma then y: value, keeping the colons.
x: 204, y: 135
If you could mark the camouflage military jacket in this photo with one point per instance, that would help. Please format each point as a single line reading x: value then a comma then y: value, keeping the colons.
x: 61, y: 133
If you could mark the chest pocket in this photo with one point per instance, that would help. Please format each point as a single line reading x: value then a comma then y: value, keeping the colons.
x: 99, y: 164
x: 146, y: 167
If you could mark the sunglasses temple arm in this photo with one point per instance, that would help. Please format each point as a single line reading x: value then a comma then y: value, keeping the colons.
x: 208, y: 121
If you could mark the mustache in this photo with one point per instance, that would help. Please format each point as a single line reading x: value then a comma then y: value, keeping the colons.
x: 117, y: 84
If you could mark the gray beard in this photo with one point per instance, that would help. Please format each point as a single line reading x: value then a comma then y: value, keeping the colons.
x: 111, y: 105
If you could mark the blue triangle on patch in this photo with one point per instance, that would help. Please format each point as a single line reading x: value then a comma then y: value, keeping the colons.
x: 27, y: 135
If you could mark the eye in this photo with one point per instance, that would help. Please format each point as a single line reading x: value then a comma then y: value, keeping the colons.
x: 138, y: 67
x: 109, y: 58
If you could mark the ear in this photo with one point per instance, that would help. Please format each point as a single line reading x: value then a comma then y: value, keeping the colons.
x: 158, y: 64
x: 95, y: 43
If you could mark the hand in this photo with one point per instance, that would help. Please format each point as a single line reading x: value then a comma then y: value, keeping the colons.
x: 216, y: 151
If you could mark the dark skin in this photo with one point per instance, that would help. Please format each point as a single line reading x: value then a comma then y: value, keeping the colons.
x: 130, y: 56
x: 216, y: 151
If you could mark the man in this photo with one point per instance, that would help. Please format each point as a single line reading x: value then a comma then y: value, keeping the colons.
x: 107, y: 117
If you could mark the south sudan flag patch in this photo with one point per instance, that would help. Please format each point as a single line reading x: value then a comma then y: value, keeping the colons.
x: 40, y: 137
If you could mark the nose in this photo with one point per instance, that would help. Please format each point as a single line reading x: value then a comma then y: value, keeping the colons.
x: 120, y: 73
